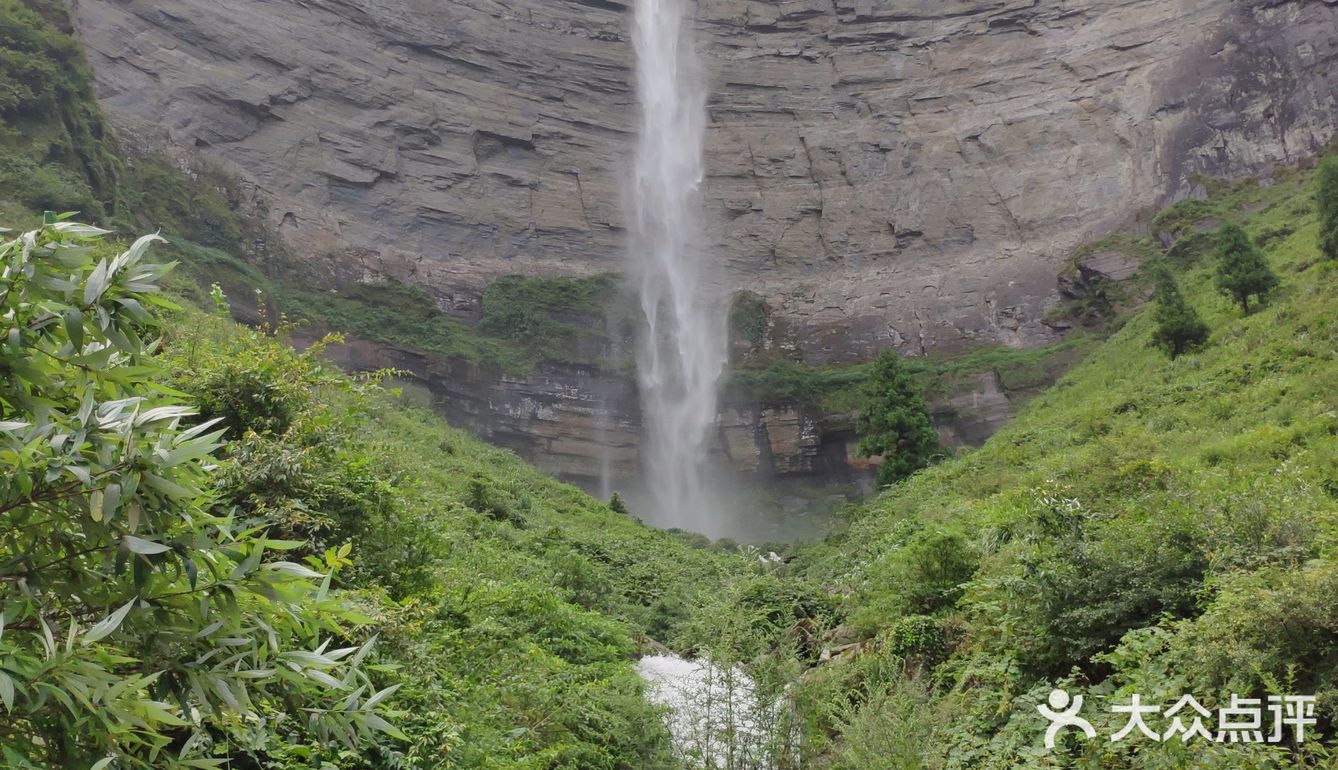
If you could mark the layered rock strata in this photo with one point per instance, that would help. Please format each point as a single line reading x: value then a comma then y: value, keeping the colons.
x: 884, y: 172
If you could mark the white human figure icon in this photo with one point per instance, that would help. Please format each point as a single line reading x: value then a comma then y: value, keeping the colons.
x: 1061, y: 714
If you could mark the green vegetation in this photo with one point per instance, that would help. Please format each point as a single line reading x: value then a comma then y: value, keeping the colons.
x: 506, y: 607
x: 512, y: 303
x: 894, y: 421
x: 1151, y: 525
x: 551, y: 318
x: 510, y: 605
x: 1242, y: 271
x: 177, y: 627
x: 829, y: 388
x: 200, y: 204
x: 54, y: 153
x: 749, y: 317
x: 1326, y: 197
x: 523, y: 320
x: 837, y: 389
x: 396, y: 313
x: 1179, y: 328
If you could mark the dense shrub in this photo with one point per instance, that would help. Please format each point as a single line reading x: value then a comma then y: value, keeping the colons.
x: 921, y: 577
x: 517, y: 599
x: 53, y: 149
x: 199, y: 204
x: 919, y: 638
x: 548, y: 316
x: 45, y: 186
x: 180, y: 631
x: 246, y: 398
x: 295, y: 461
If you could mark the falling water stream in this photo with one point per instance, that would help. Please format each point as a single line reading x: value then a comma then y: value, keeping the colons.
x: 713, y: 711
x: 682, y: 350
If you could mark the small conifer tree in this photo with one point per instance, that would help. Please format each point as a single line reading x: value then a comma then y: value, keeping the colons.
x: 1242, y: 271
x: 895, y: 421
x: 1179, y: 328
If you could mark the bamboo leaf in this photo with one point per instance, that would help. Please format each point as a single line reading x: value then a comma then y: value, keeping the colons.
x: 74, y: 328
x: 96, y: 284
x: 293, y: 568
x: 380, y: 696
x: 144, y: 547
x: 377, y: 723
x: 7, y: 691
x: 77, y: 229
x: 108, y: 624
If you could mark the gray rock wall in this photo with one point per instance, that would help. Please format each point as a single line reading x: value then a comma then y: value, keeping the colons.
x: 905, y: 172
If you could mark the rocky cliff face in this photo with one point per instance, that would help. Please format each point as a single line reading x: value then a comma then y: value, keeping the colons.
x: 583, y: 425
x: 900, y: 172
x: 579, y: 424
x: 911, y: 173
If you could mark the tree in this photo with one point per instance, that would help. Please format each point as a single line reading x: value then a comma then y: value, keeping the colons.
x: 142, y: 623
x: 895, y: 421
x: 1327, y: 198
x: 1179, y: 328
x: 1242, y: 271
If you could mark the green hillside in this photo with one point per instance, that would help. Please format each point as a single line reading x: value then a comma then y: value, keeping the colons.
x: 512, y: 604
x: 507, y: 607
x: 1147, y: 525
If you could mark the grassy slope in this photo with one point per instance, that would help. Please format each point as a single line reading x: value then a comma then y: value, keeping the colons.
x: 512, y: 605
x: 537, y: 616
x: 1193, y: 499
x: 837, y: 389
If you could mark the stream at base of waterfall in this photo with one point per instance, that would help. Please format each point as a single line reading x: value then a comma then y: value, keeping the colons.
x: 717, y: 718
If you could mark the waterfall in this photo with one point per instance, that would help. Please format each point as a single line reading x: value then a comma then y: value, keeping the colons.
x: 682, y: 349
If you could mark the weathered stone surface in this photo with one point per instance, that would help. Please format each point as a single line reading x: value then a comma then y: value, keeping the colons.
x: 883, y: 171
x: 1108, y: 265
x: 973, y: 415
x: 584, y: 426
x: 781, y: 439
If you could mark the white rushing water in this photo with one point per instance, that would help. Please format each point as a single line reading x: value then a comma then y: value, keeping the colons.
x: 682, y: 350
x: 716, y: 719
